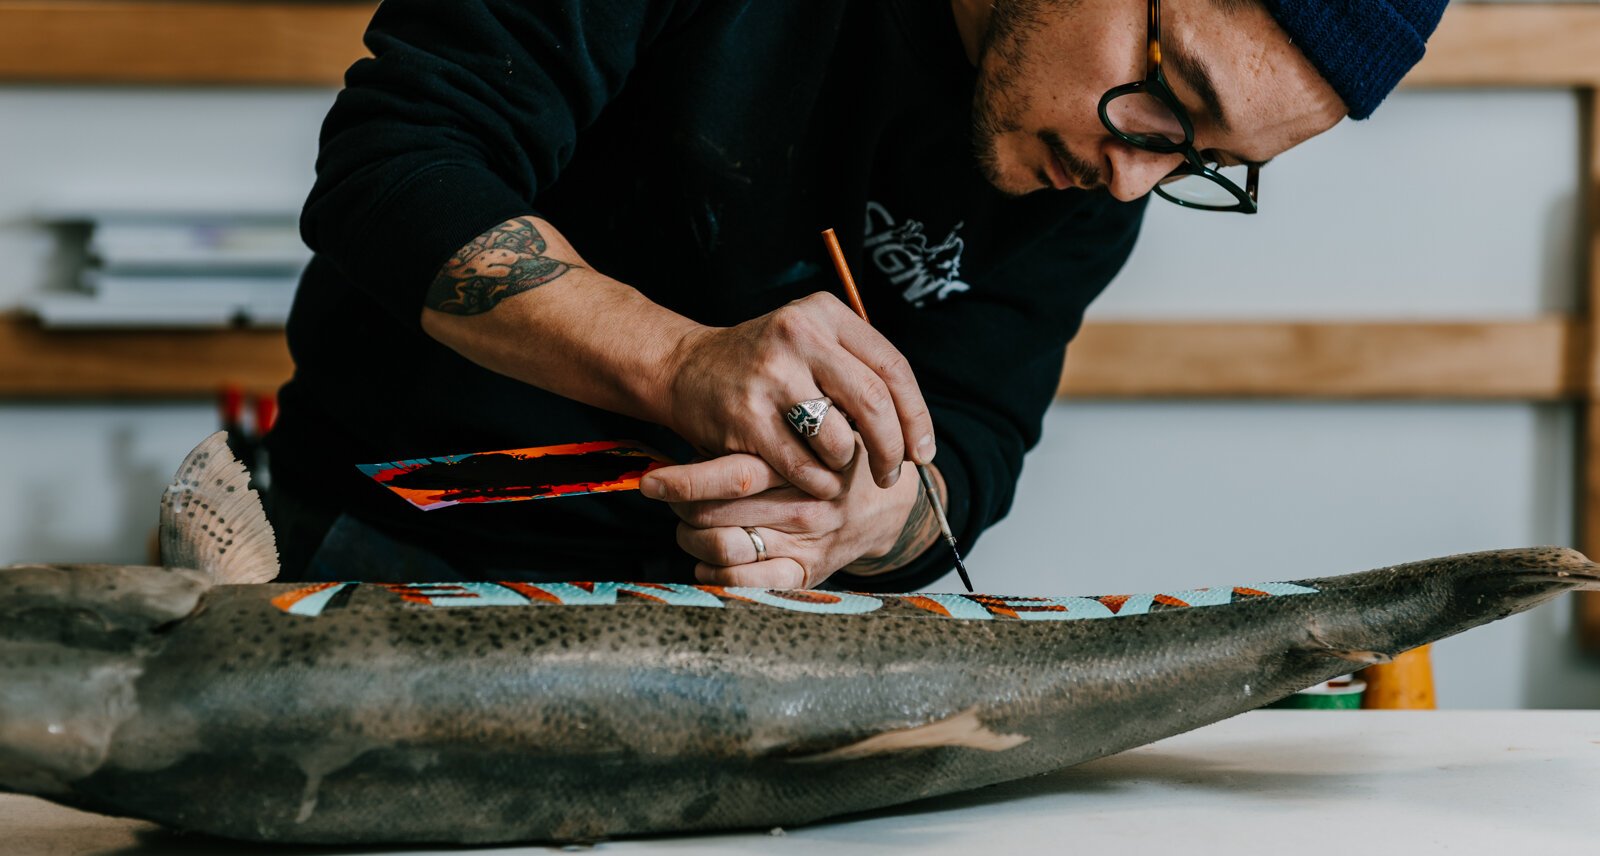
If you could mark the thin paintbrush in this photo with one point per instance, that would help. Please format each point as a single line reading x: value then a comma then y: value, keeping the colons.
x: 843, y: 267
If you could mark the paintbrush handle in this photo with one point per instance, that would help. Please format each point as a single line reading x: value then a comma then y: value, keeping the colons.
x: 843, y: 269
x: 923, y: 470
x: 938, y: 507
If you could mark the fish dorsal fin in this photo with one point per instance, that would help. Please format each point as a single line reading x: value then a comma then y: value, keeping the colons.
x: 213, y: 522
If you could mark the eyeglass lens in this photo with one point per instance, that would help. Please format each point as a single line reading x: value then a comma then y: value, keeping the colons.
x: 1145, y: 118
x: 1202, y: 191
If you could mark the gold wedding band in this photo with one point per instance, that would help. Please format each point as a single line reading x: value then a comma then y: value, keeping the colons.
x: 760, y: 545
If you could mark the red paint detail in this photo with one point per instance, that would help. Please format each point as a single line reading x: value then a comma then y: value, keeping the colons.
x: 389, y: 474
x: 1010, y: 606
x: 532, y: 592
x: 1114, y: 602
x: 1169, y: 600
x: 995, y: 605
x: 725, y: 595
x: 926, y: 603
x: 424, y: 593
x: 288, y: 599
x: 633, y: 589
x: 1241, y: 591
x: 443, y: 497
x: 805, y: 596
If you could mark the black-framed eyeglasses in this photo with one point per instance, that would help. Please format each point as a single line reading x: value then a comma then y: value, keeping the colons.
x: 1146, y: 115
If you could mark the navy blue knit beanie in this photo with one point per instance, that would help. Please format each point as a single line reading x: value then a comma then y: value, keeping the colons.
x: 1362, y: 47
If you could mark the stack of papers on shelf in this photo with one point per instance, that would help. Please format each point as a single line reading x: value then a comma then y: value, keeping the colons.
x: 189, y: 269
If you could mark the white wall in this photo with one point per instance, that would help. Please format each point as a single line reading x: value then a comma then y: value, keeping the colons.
x: 1446, y: 205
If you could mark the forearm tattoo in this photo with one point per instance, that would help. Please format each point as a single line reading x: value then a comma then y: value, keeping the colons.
x: 919, y: 531
x: 502, y: 262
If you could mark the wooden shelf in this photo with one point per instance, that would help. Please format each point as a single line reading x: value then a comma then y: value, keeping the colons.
x: 44, y: 364
x: 312, y: 43
x: 1534, y: 360
x: 1520, y: 44
x: 173, y: 42
x: 1539, y: 359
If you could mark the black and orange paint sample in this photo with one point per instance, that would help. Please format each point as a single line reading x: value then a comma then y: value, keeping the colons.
x: 513, y: 475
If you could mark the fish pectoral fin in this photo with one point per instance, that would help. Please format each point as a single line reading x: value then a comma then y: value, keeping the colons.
x: 963, y: 729
x: 1357, y: 656
x: 213, y: 522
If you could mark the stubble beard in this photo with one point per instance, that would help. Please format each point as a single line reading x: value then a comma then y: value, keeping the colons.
x: 998, y: 103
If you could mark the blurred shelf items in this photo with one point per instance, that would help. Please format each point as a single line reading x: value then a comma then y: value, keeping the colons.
x: 164, y: 269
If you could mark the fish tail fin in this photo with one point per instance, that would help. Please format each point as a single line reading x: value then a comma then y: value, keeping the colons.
x: 1563, y: 566
x: 213, y: 522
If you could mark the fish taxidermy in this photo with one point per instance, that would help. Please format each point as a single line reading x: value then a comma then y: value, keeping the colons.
x: 202, y: 697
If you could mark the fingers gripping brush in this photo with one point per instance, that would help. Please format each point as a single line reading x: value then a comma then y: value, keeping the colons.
x: 928, y: 487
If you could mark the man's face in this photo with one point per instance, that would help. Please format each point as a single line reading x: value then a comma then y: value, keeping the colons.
x: 1250, y: 93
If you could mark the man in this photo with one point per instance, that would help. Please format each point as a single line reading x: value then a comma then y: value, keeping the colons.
x: 556, y: 222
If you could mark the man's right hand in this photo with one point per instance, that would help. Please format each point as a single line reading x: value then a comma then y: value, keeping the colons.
x: 729, y: 388
x: 519, y: 300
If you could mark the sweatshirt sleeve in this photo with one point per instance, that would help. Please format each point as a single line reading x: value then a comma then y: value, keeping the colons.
x: 464, y: 113
x: 989, y: 363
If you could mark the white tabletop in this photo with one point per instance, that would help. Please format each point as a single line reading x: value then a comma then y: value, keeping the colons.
x: 1524, y: 783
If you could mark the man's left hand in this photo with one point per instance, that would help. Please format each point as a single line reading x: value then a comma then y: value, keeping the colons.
x: 806, y: 539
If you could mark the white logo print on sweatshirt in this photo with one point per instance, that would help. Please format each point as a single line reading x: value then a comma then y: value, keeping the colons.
x: 902, y: 252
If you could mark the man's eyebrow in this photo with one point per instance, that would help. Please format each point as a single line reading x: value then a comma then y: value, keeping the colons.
x: 1197, y: 74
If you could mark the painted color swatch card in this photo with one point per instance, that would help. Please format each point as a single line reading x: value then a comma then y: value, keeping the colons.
x: 512, y: 475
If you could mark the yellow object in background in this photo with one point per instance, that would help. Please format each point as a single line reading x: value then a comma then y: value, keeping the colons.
x: 1405, y: 684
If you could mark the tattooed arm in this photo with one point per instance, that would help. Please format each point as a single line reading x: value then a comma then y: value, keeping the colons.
x: 501, y: 263
x: 520, y: 301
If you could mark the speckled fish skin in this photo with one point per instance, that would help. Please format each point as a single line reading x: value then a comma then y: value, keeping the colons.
x: 385, y: 721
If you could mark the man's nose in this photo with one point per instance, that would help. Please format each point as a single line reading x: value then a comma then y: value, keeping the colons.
x: 1134, y: 172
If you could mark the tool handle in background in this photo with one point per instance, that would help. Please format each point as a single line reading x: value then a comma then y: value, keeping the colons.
x: 266, y: 413
x: 1405, y: 684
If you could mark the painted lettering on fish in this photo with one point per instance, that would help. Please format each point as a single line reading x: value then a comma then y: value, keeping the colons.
x: 316, y: 599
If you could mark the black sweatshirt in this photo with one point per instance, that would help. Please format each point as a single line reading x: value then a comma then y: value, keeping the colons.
x: 692, y: 149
